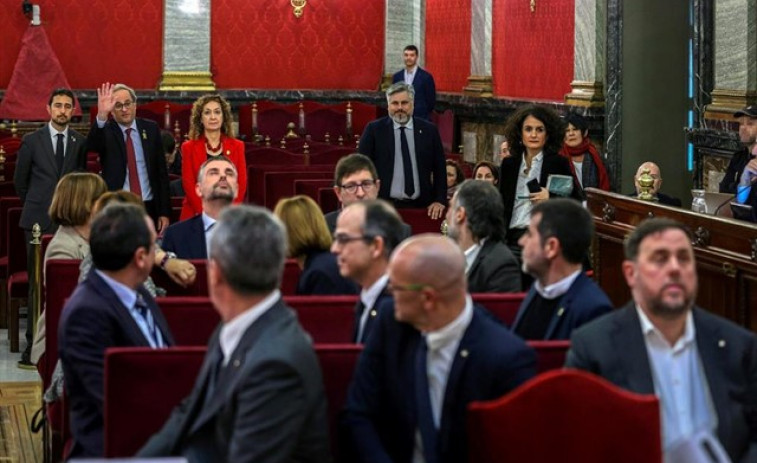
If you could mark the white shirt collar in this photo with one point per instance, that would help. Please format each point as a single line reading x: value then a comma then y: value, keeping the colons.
x: 648, y: 329
x: 472, y: 253
x: 133, y: 125
x: 207, y: 221
x: 556, y: 289
x: 409, y: 124
x: 232, y: 332
x: 369, y: 295
x: 54, y: 131
x: 453, y: 332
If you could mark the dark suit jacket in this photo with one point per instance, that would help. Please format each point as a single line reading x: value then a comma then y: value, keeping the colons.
x: 613, y: 347
x: 495, y: 270
x: 37, y: 173
x: 385, y: 301
x: 268, y: 405
x: 320, y: 275
x: 93, y: 320
x: 379, y: 421
x: 186, y: 239
x: 377, y: 143
x: 583, y: 302
x: 333, y: 215
x: 425, y: 91
x: 109, y: 143
x: 553, y: 164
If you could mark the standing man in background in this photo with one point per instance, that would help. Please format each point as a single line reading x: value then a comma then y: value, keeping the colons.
x: 421, y: 80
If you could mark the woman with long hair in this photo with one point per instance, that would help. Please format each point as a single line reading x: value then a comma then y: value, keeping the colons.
x: 585, y: 162
x: 210, y: 134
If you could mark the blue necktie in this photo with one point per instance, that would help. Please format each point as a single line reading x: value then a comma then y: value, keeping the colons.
x: 144, y: 312
x: 407, y: 165
x: 429, y: 433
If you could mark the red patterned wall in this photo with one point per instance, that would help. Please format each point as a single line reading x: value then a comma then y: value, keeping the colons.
x: 448, y: 29
x: 336, y: 44
x: 533, y: 52
x: 94, y: 40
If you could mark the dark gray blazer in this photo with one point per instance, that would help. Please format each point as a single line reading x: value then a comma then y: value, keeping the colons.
x: 613, y: 347
x: 268, y: 405
x: 495, y: 270
x: 37, y: 173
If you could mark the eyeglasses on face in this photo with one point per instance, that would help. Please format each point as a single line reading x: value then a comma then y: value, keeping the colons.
x: 366, y: 185
x: 125, y: 105
x: 342, y: 238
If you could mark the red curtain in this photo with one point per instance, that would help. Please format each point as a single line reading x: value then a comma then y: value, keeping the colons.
x: 448, y: 30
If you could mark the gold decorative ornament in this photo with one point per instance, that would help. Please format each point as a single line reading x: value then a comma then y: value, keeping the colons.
x: 298, y: 6
x: 290, y: 131
x: 533, y: 6
x: 646, y: 185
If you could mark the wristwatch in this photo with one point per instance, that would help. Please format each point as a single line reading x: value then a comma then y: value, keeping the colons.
x: 166, y: 256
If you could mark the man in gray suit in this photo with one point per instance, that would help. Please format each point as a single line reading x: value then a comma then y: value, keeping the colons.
x: 259, y: 395
x: 475, y: 221
x: 702, y: 367
x: 44, y: 157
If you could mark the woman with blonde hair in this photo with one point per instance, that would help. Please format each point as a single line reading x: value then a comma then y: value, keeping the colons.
x: 210, y: 134
x: 309, y: 242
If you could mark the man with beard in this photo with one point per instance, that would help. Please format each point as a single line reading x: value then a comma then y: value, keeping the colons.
x: 702, y: 367
x: 421, y: 80
x: 217, y: 187
x: 408, y: 154
x: 742, y: 170
x: 44, y: 157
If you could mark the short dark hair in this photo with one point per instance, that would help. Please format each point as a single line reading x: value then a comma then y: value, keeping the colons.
x: 381, y: 219
x: 553, y: 124
x: 117, y: 232
x: 484, y: 209
x: 577, y: 121
x: 570, y: 223
x: 411, y: 48
x: 650, y: 227
x: 61, y: 91
x: 351, y: 164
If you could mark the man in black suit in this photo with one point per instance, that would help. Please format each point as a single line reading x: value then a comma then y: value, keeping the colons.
x: 408, y: 155
x: 111, y: 308
x: 562, y: 297
x: 259, y: 395
x: 421, y: 80
x: 131, y: 151
x: 217, y: 187
x: 654, y: 171
x: 702, y: 367
x: 475, y: 221
x: 355, y: 179
x: 44, y: 157
x: 366, y: 234
x: 430, y: 354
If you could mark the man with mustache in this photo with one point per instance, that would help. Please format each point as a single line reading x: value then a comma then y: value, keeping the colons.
x: 217, y: 187
x: 44, y: 157
x: 702, y: 367
x: 408, y: 154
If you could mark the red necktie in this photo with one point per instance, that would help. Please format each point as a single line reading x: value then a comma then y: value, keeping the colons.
x: 131, y: 163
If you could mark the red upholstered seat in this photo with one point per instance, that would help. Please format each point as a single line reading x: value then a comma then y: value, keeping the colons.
x: 291, y: 277
x: 192, y: 319
x: 18, y: 279
x: 142, y: 386
x: 310, y: 187
x: 198, y: 288
x: 550, y: 355
x: 504, y: 306
x: 10, y: 145
x: 420, y: 222
x: 328, y: 319
x: 256, y: 176
x: 566, y: 415
x: 280, y: 185
x: 5, y: 204
x: 328, y: 200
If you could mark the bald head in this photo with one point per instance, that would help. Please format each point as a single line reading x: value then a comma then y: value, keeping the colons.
x: 654, y: 171
x: 432, y: 260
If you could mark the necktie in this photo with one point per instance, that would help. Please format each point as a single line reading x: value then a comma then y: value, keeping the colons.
x: 407, y: 165
x: 429, y: 433
x: 359, y: 309
x: 144, y: 312
x: 131, y: 163
x: 59, y: 152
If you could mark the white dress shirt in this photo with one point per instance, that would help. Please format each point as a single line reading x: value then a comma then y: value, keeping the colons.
x: 472, y: 253
x: 208, y: 223
x: 54, y: 137
x: 556, y: 289
x: 522, y: 208
x: 368, y: 297
x: 410, y: 75
x: 397, y: 190
x: 232, y: 331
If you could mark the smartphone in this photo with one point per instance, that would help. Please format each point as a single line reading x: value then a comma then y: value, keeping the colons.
x: 533, y: 186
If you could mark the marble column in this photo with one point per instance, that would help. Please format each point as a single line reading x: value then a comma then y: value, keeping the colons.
x: 186, y: 46
x: 405, y: 25
x: 480, y: 81
x: 589, y: 54
x: 735, y: 69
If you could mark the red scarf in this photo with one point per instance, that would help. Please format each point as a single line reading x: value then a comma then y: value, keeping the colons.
x: 587, y: 146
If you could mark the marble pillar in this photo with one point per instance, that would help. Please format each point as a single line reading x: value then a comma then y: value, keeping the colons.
x: 186, y: 46
x: 405, y: 25
x: 735, y: 68
x: 480, y: 81
x: 589, y: 57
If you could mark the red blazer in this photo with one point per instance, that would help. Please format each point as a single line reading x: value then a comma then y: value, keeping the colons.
x: 193, y: 154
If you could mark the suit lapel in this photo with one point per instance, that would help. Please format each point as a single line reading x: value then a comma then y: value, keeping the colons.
x: 629, y: 346
x: 476, y: 263
x: 145, y: 148
x: 72, y: 147
x: 566, y: 301
x: 118, y: 134
x: 122, y: 312
x: 389, y: 137
x: 712, y: 348
x: 198, y: 241
x: 157, y: 317
x: 523, y: 306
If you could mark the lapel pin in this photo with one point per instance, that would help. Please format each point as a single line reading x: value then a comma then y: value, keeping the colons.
x: 236, y: 363
x: 464, y: 353
x: 560, y: 311
x: 721, y: 343
x: 373, y: 313
x: 73, y: 139
x: 144, y: 135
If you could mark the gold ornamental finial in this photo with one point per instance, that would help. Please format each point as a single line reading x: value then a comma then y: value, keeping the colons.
x: 298, y: 6
x: 646, y: 185
x: 290, y: 131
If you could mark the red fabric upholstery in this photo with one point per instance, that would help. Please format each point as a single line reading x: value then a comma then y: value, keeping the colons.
x: 328, y: 319
x: 192, y: 319
x: 11, y: 146
x: 142, y: 386
x: 198, y: 288
x: 504, y: 306
x: 566, y: 415
x: 5, y: 204
x: 328, y: 200
x: 311, y: 187
x: 550, y: 355
x: 332, y: 156
x: 156, y: 111
x: 448, y: 45
x: 337, y: 364
x: 291, y: 277
x: 17, y: 285
x: 420, y: 222
x: 272, y: 155
x: 281, y: 184
x: 256, y: 177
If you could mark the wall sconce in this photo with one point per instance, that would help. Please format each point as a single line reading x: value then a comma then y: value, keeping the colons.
x: 298, y: 7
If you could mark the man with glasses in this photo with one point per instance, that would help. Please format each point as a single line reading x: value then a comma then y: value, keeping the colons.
x: 426, y: 360
x: 44, y: 157
x: 355, y: 179
x: 366, y: 234
x: 131, y: 151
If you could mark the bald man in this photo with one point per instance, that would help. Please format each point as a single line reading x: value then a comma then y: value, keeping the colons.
x: 654, y: 171
x: 429, y: 355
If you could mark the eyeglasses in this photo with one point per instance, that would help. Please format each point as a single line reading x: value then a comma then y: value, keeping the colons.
x: 125, y: 105
x: 366, y: 185
x: 415, y: 287
x: 341, y: 238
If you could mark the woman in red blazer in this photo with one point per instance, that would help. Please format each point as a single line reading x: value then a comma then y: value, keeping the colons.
x: 210, y: 134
